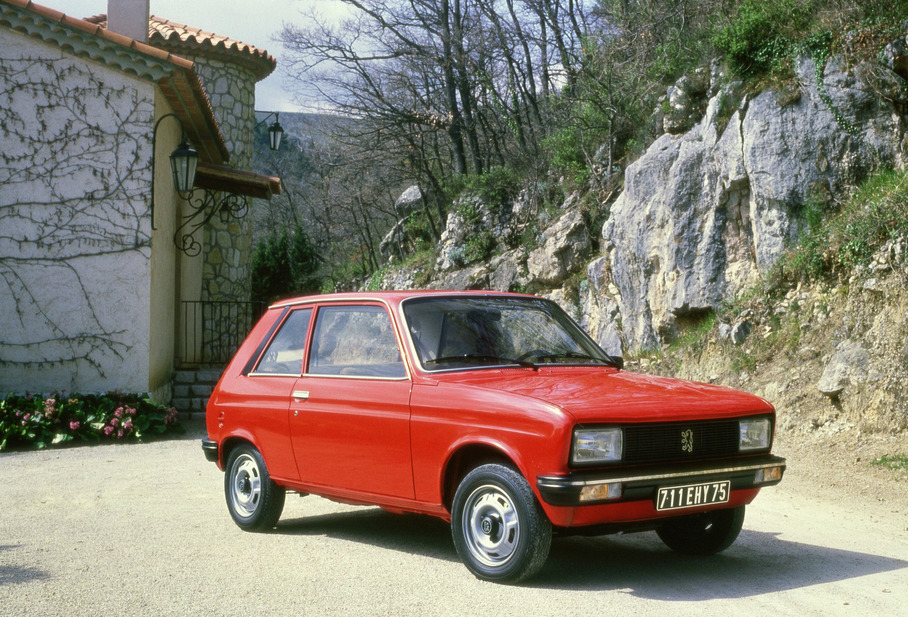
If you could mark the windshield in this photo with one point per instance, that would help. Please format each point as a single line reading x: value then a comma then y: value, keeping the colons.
x: 469, y: 332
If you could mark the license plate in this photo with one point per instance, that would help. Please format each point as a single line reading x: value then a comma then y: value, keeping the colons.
x: 692, y: 495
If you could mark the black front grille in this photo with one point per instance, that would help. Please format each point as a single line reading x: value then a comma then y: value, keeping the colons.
x: 680, y: 441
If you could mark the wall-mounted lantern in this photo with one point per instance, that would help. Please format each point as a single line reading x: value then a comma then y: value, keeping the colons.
x: 183, y: 162
x: 203, y: 203
x: 275, y: 133
x: 275, y: 130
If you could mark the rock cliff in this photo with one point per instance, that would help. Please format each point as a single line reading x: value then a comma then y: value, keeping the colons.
x: 711, y: 204
x: 704, y: 212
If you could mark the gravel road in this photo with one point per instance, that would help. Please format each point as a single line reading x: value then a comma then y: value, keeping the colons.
x: 143, y: 530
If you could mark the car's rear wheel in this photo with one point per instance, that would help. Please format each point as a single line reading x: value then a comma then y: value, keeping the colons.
x: 500, y: 531
x: 254, y: 500
x: 703, y: 534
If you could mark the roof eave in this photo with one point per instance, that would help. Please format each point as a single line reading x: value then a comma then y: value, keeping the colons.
x: 237, y: 181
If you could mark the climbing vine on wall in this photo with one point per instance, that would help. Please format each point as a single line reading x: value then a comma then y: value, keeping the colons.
x: 75, y: 173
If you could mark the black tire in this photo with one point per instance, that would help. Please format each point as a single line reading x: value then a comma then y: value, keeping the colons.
x: 703, y: 534
x: 255, y: 502
x: 500, y: 531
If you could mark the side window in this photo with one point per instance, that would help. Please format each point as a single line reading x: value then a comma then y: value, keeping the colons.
x: 284, y: 356
x: 355, y: 341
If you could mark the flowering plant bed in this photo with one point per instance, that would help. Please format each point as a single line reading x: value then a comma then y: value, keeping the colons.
x: 41, y: 421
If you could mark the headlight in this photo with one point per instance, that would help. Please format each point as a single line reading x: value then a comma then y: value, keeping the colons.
x: 597, y: 445
x: 756, y: 434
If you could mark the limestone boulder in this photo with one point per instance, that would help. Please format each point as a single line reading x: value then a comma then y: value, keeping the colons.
x: 410, y: 201
x: 565, y: 245
x: 848, y: 366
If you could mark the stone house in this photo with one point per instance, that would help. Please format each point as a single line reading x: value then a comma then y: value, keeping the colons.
x: 110, y: 278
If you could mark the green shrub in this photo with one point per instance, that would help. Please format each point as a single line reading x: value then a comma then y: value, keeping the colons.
x: 762, y: 35
x: 565, y: 151
x: 42, y: 422
x: 496, y: 186
x: 891, y: 462
x: 420, y: 230
x: 479, y: 246
x: 841, y: 241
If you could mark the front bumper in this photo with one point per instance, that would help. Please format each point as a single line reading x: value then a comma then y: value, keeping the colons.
x: 210, y: 448
x: 642, y: 483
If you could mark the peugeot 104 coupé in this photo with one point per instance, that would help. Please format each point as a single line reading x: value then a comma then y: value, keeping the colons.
x: 493, y: 411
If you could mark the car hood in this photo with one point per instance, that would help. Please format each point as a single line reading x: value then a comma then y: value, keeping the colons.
x: 609, y: 395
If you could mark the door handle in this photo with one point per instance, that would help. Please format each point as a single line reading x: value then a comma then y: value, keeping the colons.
x: 300, y: 395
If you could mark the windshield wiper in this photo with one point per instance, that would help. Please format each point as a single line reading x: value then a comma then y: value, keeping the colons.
x: 470, y: 358
x: 615, y: 361
x: 573, y: 356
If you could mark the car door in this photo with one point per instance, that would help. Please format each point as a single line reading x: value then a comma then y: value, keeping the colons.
x: 350, y: 411
x: 259, y: 400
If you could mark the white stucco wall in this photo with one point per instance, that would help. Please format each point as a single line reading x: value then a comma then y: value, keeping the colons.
x: 75, y: 255
x: 165, y: 259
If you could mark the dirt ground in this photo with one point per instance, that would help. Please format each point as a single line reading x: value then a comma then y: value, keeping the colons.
x: 143, y: 530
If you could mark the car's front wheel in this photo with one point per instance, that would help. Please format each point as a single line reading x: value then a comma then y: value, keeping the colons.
x: 254, y: 500
x: 703, y: 534
x: 500, y: 531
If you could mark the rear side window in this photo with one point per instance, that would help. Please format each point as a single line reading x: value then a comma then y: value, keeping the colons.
x: 355, y: 341
x: 284, y: 356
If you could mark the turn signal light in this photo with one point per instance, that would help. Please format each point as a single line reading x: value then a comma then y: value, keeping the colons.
x: 769, y: 474
x: 600, y: 492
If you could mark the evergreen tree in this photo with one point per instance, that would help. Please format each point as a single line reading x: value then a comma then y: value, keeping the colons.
x: 284, y: 266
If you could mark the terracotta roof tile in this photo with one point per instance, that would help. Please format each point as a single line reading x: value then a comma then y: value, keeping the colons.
x: 94, y: 28
x: 176, y: 38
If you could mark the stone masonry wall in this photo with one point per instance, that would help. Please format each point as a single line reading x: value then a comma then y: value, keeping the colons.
x: 228, y: 245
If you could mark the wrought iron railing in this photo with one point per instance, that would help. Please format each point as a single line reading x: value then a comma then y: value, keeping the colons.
x: 211, y: 331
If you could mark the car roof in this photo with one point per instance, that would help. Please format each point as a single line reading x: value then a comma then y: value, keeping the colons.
x: 390, y: 297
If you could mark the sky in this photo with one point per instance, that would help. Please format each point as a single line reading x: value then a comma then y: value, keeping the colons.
x: 255, y: 22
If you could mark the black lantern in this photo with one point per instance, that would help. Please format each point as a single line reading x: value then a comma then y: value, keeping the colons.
x: 183, y: 162
x: 275, y: 133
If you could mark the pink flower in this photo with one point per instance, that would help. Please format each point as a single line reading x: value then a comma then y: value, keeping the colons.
x: 118, y: 412
x: 114, y: 421
x: 130, y: 411
x: 120, y: 434
x: 128, y: 425
x: 108, y: 430
x: 74, y: 425
x: 27, y: 417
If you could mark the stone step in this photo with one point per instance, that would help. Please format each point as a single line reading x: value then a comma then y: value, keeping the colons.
x: 191, y: 390
x: 196, y: 376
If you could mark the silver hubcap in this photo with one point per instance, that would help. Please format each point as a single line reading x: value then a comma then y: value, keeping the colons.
x: 246, y: 490
x: 491, y: 526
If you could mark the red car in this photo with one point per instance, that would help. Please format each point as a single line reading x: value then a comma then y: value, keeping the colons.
x: 493, y: 411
